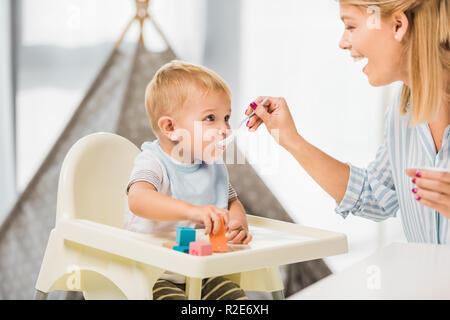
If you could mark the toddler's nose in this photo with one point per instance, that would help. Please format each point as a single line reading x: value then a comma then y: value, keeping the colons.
x: 224, y: 132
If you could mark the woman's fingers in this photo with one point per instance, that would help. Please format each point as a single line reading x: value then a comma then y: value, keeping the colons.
x: 432, y: 189
x: 411, y: 172
x: 434, y: 175
x: 438, y: 181
x: 278, y: 121
x: 256, y: 125
x: 432, y: 196
x: 441, y: 208
x: 432, y: 185
x: 435, y: 200
x: 258, y: 102
x: 429, y: 174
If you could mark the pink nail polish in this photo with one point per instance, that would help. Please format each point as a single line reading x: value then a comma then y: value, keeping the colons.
x: 418, y: 198
x: 414, y: 190
x: 418, y: 174
x: 253, y: 105
x: 247, y: 123
x: 414, y: 180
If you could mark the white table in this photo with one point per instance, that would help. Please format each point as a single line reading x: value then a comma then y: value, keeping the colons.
x: 398, y: 271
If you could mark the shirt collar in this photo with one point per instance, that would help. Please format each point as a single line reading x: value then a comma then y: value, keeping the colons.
x: 181, y: 166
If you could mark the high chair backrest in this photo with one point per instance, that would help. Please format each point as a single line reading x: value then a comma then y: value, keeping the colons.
x: 93, y: 179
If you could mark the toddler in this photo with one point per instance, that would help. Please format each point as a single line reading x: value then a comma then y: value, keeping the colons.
x: 180, y: 179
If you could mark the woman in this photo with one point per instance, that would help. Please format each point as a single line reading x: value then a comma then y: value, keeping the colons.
x: 403, y: 40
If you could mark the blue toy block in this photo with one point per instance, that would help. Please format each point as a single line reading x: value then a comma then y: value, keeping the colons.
x: 184, y: 249
x: 185, y: 236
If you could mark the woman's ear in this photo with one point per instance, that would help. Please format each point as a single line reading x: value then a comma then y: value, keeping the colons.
x: 400, y: 25
x: 166, y: 126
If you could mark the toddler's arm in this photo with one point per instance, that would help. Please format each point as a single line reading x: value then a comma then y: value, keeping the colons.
x: 237, y: 227
x: 144, y: 201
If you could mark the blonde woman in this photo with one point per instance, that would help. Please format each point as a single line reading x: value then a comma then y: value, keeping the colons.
x: 408, y: 41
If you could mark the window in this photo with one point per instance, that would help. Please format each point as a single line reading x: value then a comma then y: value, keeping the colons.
x: 63, y: 45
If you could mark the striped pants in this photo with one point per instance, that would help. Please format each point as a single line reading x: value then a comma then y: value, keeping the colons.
x: 216, y: 288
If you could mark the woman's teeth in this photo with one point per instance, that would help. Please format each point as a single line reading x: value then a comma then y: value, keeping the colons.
x: 359, y: 59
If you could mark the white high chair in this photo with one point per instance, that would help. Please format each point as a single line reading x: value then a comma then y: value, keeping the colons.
x: 88, y: 250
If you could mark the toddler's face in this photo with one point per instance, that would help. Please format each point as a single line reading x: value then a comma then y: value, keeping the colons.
x: 202, y: 122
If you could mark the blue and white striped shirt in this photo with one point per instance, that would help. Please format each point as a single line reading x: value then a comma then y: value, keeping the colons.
x: 383, y: 188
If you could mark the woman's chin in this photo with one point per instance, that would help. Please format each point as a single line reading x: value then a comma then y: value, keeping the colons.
x: 374, y: 82
x: 377, y: 81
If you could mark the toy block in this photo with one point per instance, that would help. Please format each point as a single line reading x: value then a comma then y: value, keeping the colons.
x: 185, y: 235
x: 219, y: 240
x: 184, y: 249
x: 200, y: 248
x: 169, y: 245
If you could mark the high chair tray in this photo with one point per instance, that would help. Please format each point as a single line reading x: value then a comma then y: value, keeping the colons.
x: 274, y: 243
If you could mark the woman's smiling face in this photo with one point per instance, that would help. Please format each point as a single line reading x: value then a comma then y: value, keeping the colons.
x: 379, y: 40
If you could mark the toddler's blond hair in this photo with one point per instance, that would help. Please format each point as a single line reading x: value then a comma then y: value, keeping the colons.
x: 171, y: 85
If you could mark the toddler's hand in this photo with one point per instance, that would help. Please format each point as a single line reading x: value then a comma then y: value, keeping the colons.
x: 238, y: 231
x: 209, y: 216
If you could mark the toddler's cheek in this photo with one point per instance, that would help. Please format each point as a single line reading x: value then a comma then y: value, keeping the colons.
x: 212, y: 153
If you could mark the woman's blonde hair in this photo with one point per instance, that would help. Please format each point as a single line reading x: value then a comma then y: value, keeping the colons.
x: 171, y: 85
x: 428, y: 50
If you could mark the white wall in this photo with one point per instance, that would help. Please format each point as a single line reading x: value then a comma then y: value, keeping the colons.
x: 7, y: 167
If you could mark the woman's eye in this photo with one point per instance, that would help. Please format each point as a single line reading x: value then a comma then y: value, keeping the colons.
x: 227, y: 118
x: 349, y: 28
x: 210, y: 118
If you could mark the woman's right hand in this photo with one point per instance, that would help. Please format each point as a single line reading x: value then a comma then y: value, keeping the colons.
x: 278, y: 120
x: 209, y: 216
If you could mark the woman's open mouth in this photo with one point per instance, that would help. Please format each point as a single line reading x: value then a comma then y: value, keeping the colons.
x: 363, y: 61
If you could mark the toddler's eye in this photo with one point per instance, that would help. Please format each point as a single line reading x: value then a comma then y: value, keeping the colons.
x: 210, y: 118
x: 227, y: 118
x: 349, y: 28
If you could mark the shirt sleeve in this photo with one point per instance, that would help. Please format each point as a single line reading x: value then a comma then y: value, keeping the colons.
x: 146, y: 168
x: 371, y: 191
x: 231, y: 192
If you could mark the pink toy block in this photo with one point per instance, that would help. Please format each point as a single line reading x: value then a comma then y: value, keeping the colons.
x: 200, y: 248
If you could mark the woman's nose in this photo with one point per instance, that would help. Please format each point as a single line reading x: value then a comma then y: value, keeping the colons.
x: 344, y: 43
